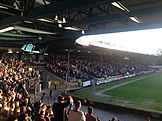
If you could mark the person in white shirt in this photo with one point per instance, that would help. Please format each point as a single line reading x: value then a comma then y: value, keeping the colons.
x: 76, y: 114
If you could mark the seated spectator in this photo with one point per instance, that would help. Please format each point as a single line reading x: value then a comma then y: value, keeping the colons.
x: 76, y: 114
x: 89, y: 116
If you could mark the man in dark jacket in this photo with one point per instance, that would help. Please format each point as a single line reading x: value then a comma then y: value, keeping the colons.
x: 58, y: 108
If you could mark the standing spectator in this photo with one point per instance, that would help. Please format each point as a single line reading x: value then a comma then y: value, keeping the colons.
x: 55, y: 85
x: 58, y: 108
x: 47, y: 116
x: 50, y: 93
x: 43, y: 94
x: 98, y: 119
x: 148, y: 119
x: 76, y: 114
x: 89, y: 116
x: 114, y: 119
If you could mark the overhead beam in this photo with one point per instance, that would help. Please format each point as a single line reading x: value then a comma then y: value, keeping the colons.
x: 94, y: 20
x: 62, y: 6
x: 102, y: 10
x: 147, y: 12
x: 17, y: 35
x: 11, y: 21
x: 11, y: 42
x: 66, y: 35
x: 35, y: 31
x: 8, y: 38
x: 10, y: 10
x: 11, y: 45
x: 125, y: 28
x: 51, y: 25
x: 16, y: 41
x: 138, y: 13
x: 53, y: 8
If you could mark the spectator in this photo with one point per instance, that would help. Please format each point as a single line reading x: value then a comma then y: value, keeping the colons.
x: 76, y: 114
x: 27, y: 117
x: 88, y: 68
x: 89, y: 116
x: 40, y: 116
x: 98, y: 119
x: 58, y: 108
x: 43, y: 94
x: 50, y: 93
x: 114, y: 119
x: 47, y: 116
x: 55, y: 84
x: 148, y: 119
x: 14, y: 79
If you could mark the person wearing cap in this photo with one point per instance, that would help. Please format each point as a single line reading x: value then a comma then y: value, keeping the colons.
x: 58, y: 108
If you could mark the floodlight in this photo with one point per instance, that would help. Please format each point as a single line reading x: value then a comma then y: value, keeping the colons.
x: 135, y: 19
x: 120, y: 6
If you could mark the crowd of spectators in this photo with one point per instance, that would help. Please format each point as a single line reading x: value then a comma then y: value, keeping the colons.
x: 15, y: 103
x: 88, y: 68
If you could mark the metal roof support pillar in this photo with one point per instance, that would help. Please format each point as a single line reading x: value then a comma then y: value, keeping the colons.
x: 25, y: 7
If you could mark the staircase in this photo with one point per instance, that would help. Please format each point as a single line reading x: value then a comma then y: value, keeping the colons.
x: 48, y: 76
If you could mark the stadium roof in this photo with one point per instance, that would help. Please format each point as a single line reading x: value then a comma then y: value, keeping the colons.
x: 60, y: 22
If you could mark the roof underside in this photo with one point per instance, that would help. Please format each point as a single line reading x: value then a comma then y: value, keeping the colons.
x: 52, y: 21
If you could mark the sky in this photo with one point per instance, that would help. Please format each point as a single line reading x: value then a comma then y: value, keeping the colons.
x: 142, y: 41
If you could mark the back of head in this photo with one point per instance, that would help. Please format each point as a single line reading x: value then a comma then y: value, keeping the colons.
x: 90, y: 110
x: 148, y: 119
x: 114, y: 119
x: 77, y: 104
x: 60, y: 98
x: 42, y: 112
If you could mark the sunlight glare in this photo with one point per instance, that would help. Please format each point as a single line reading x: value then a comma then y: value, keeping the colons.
x: 142, y: 41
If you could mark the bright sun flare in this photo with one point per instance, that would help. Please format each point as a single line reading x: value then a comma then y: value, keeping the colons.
x: 142, y: 41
